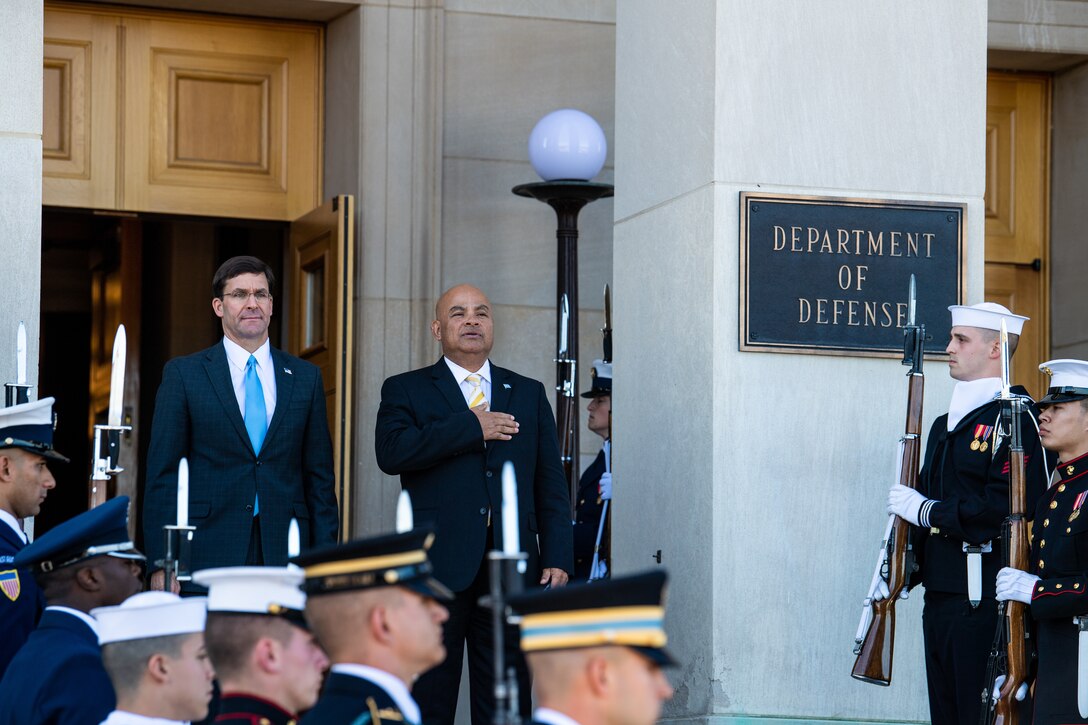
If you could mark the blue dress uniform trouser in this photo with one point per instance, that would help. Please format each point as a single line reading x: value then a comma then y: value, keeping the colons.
x: 958, y: 640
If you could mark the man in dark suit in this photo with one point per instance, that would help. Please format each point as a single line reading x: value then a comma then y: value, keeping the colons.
x: 374, y: 604
x: 447, y: 430
x: 251, y: 421
x: 26, y: 445
x: 58, y: 676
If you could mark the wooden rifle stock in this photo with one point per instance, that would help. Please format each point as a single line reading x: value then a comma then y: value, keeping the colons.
x: 1006, y: 710
x: 874, y: 661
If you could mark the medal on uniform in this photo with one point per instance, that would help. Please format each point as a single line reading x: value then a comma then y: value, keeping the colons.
x: 982, y: 432
x: 1077, y: 504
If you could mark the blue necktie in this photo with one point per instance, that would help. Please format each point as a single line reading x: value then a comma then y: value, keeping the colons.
x: 256, y: 417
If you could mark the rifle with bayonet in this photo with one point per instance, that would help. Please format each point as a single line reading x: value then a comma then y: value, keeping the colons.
x: 105, y: 462
x: 1011, y: 658
x: 602, y: 549
x: 566, y: 375
x: 178, y: 537
x: 874, y: 643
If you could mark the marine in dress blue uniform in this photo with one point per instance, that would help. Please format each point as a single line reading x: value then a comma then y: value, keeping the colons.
x: 371, y: 672
x: 58, y: 677
x: 596, y: 651
x: 963, y: 499
x: 1055, y: 587
x: 589, y: 505
x: 26, y: 444
x: 268, y: 664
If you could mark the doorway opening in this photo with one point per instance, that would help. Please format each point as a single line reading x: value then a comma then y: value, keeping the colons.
x: 153, y: 274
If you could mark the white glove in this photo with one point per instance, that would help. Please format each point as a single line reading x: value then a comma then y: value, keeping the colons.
x: 1015, y: 585
x: 909, y: 505
x: 1021, y: 692
x: 604, y: 487
x: 880, y: 591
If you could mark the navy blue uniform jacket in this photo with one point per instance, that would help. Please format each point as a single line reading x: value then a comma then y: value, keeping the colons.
x: 426, y: 434
x: 349, y: 700
x: 197, y: 416
x: 972, y: 486
x: 21, y: 600
x: 57, y: 678
x: 587, y: 518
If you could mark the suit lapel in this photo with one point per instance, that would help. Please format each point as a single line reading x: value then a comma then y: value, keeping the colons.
x: 285, y: 386
x: 218, y: 369
x: 500, y: 389
x: 447, y: 385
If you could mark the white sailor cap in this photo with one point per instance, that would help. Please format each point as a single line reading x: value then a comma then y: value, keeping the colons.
x: 988, y: 316
x: 150, y: 614
x: 1068, y: 381
x: 29, y: 426
x: 601, y: 376
x: 272, y: 590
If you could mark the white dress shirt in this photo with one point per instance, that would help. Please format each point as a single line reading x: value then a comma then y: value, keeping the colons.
x: 87, y: 619
x: 120, y: 717
x: 459, y: 374
x: 237, y: 359
x: 553, y: 717
x: 11, y: 521
x: 390, y: 683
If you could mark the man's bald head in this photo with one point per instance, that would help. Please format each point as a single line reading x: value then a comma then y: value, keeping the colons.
x: 463, y: 326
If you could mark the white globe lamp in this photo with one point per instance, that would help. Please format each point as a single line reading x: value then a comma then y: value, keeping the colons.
x: 567, y: 144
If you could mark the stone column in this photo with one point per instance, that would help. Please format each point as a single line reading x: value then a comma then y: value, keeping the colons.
x: 761, y: 477
x: 21, y: 25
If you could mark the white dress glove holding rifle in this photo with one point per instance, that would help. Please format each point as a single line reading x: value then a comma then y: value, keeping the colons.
x: 909, y: 505
x: 1015, y: 585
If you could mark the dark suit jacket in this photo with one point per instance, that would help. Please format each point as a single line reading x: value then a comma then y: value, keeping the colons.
x: 197, y: 416
x: 426, y: 434
x: 21, y: 600
x: 349, y: 700
x: 57, y: 678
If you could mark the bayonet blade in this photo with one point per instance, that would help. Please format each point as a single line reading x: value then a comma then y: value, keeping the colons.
x: 20, y: 355
x: 1005, y: 393
x: 405, y: 521
x: 564, y: 318
x: 912, y: 304
x: 117, y: 377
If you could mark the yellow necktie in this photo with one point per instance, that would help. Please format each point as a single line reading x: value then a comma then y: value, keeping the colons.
x: 476, y: 395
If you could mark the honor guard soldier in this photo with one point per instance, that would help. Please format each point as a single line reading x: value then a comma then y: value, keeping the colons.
x: 596, y: 651
x: 153, y: 650
x: 268, y: 664
x: 85, y: 563
x: 26, y: 445
x: 1055, y: 587
x: 373, y: 605
x: 595, y: 486
x: 959, y: 506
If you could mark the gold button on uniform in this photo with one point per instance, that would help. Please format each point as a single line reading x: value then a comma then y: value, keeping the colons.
x: 1061, y: 488
x: 1042, y: 543
x: 1046, y: 522
x: 1053, y: 504
x: 1042, y: 564
x: 1057, y: 586
x: 1039, y: 589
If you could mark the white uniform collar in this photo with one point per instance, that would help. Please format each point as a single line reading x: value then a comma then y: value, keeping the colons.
x: 87, y: 619
x: 11, y: 521
x: 239, y: 356
x: 392, y: 684
x: 459, y: 373
x: 969, y: 395
x: 120, y: 717
x: 553, y: 717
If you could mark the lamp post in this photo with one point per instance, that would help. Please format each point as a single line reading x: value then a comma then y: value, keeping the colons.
x: 567, y: 148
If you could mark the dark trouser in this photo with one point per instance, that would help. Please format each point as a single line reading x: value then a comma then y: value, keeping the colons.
x: 255, y: 554
x: 958, y: 640
x: 436, y: 691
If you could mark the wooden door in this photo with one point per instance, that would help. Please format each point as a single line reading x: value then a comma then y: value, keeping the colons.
x: 115, y: 299
x: 321, y: 278
x: 1017, y: 203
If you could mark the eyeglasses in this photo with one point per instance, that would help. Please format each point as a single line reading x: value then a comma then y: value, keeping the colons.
x: 242, y: 295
